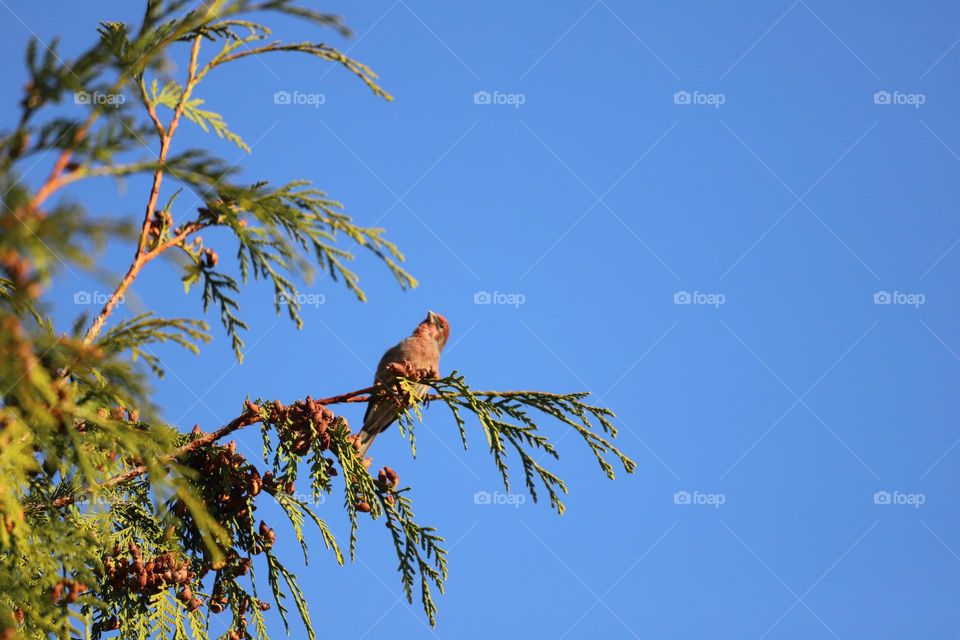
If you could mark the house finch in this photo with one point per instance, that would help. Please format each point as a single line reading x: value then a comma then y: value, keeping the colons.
x: 421, y: 350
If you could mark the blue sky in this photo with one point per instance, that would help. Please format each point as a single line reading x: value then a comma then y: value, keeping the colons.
x: 786, y: 169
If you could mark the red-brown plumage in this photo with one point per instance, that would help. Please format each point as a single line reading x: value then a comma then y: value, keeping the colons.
x: 420, y: 351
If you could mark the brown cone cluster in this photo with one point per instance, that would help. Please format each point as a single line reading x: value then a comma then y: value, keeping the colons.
x: 267, y: 535
x: 213, y: 216
x: 388, y: 479
x: 18, y: 267
x: 387, y: 482
x: 120, y: 413
x: 149, y: 577
x: 210, y: 258
x: 159, y: 221
x: 243, y: 606
x: 232, y: 482
x: 219, y: 600
x: 404, y: 369
x: 273, y: 485
x: 230, y: 568
x: 302, y: 424
x: 67, y: 591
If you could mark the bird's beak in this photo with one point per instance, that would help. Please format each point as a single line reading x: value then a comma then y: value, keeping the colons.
x: 432, y: 318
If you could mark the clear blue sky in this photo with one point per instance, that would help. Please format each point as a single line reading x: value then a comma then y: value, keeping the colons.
x: 781, y: 184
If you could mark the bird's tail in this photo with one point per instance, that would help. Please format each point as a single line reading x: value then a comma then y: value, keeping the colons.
x: 381, y: 413
x: 366, y: 439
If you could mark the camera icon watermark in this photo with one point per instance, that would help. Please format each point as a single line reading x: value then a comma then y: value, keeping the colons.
x: 299, y: 98
x: 93, y: 297
x: 915, y: 100
x: 98, y: 98
x: 509, y: 299
x: 699, y: 298
x: 714, y: 100
x: 302, y: 299
x: 515, y: 100
x: 899, y: 298
x: 514, y: 500
x: 915, y: 500
x: 697, y: 498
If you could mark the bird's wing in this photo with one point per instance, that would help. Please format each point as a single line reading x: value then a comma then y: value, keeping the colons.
x: 393, y: 355
x: 381, y: 413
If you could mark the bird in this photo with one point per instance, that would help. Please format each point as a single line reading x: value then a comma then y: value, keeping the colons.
x: 419, y: 351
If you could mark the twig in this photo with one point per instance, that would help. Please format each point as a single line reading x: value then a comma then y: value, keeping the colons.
x: 142, y: 255
x: 352, y: 396
x: 248, y: 418
x: 55, y: 179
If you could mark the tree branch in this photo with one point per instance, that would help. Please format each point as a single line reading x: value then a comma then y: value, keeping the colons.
x: 54, y: 180
x: 142, y: 256
x: 246, y: 419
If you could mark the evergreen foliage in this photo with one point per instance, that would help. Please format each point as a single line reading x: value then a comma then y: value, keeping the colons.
x: 113, y: 522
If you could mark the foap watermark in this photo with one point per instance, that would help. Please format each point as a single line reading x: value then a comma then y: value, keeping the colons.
x: 915, y: 100
x: 302, y: 299
x: 94, y: 297
x: 299, y: 98
x: 899, y: 297
x: 94, y: 501
x: 899, y: 498
x: 698, y: 98
x: 515, y: 100
x: 698, y: 297
x: 509, y: 299
x: 499, y: 498
x: 308, y: 498
x: 698, y: 498
x: 99, y: 98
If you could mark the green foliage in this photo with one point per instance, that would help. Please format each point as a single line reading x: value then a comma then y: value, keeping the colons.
x: 418, y: 550
x: 135, y: 334
x: 172, y: 94
x: 112, y: 520
x: 505, y: 419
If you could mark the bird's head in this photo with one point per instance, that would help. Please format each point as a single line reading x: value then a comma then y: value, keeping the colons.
x: 437, y: 327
